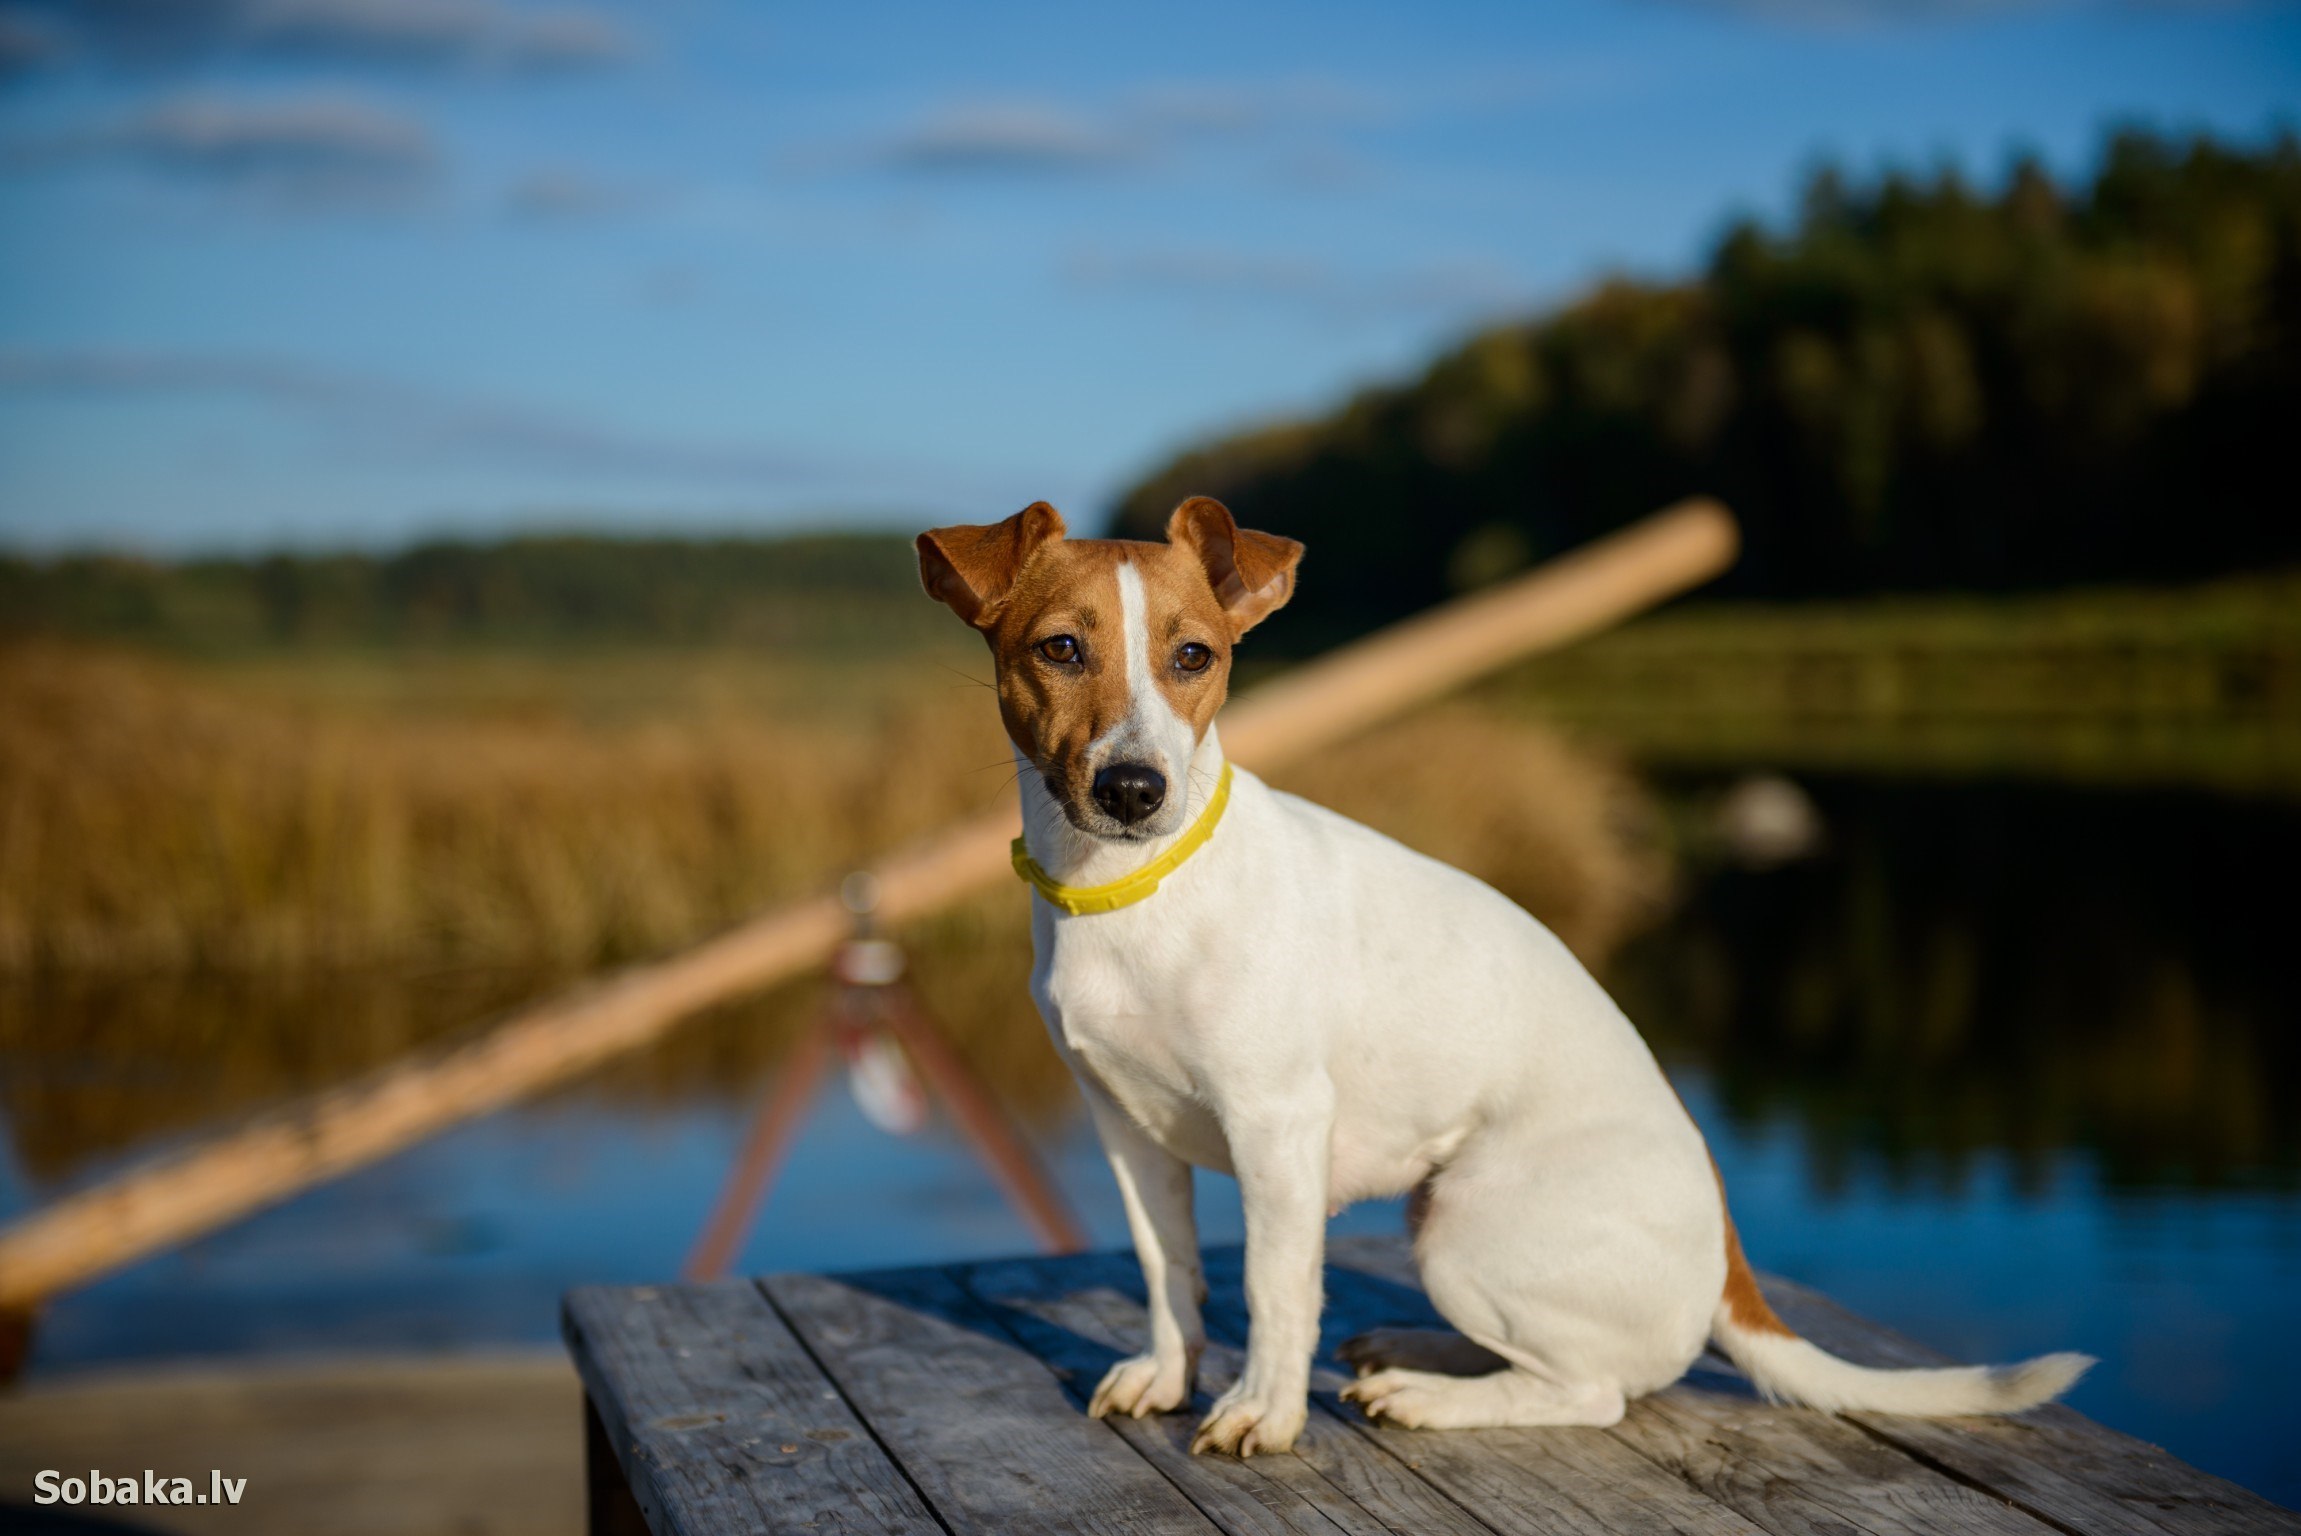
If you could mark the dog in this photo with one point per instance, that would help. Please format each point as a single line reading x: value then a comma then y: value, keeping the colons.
x: 1244, y: 981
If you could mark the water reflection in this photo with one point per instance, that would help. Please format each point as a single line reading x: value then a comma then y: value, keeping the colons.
x: 2010, y: 1067
x: 1957, y: 970
x: 98, y: 1069
x: 2004, y: 969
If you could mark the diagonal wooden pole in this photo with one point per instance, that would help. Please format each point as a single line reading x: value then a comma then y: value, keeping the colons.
x: 179, y: 1196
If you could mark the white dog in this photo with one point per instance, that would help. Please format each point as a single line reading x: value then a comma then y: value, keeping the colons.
x: 1247, y: 982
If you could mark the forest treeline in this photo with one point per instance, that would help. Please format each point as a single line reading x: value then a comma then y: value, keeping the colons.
x: 860, y: 588
x: 1915, y: 385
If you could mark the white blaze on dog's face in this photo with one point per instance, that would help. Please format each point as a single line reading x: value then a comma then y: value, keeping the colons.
x: 1112, y: 655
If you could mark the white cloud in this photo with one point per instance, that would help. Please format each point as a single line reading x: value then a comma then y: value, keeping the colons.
x: 1853, y: 15
x: 1224, y: 276
x: 26, y: 44
x: 405, y: 414
x: 566, y: 193
x: 1024, y: 135
x: 1005, y: 138
x: 314, y: 147
x: 381, y: 33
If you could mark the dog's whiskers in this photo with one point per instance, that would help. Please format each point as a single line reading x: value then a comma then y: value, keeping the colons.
x: 967, y: 677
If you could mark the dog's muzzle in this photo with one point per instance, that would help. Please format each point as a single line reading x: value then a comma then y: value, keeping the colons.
x: 1129, y: 792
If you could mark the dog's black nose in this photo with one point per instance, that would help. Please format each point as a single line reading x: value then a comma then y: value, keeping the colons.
x: 1130, y: 791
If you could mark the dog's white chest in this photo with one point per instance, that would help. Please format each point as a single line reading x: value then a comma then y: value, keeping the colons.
x: 1122, y: 1033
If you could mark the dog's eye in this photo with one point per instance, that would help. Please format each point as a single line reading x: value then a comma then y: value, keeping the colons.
x: 1193, y: 657
x: 1062, y: 648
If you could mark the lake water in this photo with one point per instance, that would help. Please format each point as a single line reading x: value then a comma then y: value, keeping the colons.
x: 2012, y: 1069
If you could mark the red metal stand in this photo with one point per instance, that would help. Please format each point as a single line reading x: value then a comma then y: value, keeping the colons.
x: 868, y: 1005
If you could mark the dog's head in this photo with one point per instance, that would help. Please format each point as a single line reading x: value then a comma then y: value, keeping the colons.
x: 1112, y: 655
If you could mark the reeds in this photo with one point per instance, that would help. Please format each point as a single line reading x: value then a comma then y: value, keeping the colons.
x: 1556, y: 829
x: 151, y: 818
x: 155, y: 816
x: 218, y: 890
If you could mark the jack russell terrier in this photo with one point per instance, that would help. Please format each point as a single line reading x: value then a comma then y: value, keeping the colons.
x: 1244, y: 981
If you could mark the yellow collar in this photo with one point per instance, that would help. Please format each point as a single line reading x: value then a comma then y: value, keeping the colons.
x: 1079, y: 900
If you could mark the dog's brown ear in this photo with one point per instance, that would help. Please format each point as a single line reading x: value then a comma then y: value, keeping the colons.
x: 971, y: 567
x: 1252, y: 573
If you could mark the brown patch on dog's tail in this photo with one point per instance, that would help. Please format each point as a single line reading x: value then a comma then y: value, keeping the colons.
x: 1745, y: 1303
x: 1787, y: 1369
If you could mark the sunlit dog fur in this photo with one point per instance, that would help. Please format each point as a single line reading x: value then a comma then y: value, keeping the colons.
x: 1331, y: 1017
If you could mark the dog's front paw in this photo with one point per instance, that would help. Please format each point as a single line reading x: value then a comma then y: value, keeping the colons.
x: 1144, y: 1384
x: 1242, y: 1424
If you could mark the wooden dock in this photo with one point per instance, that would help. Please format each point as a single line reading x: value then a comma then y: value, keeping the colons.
x: 952, y: 1399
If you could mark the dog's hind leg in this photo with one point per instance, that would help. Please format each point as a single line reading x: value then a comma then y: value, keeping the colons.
x: 1584, y: 1263
x: 1426, y: 1400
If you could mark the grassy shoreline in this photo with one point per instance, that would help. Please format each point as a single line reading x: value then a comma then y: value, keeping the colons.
x: 567, y: 808
x: 2188, y: 686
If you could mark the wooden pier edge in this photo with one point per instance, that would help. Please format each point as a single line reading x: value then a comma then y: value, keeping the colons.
x: 177, y: 1197
x: 951, y: 1399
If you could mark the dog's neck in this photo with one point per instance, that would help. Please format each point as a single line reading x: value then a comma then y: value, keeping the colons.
x: 1073, y: 857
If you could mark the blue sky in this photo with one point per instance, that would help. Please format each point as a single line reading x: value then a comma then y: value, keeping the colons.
x: 348, y: 272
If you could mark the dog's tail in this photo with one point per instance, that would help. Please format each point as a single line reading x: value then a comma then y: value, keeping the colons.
x: 1786, y: 1369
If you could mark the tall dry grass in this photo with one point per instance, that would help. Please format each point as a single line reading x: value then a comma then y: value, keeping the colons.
x: 1569, y: 836
x: 151, y: 817
x: 218, y: 891
x: 154, y: 816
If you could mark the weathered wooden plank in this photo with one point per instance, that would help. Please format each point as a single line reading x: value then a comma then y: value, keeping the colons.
x: 982, y: 1427
x: 2055, y: 1462
x: 1798, y: 1472
x: 924, y: 1400
x: 721, y: 1421
x: 1082, y: 1314
x: 1540, y: 1482
x: 1791, y: 1471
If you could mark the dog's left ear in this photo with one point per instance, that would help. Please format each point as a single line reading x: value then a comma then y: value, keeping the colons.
x: 1252, y: 573
x: 970, y: 567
